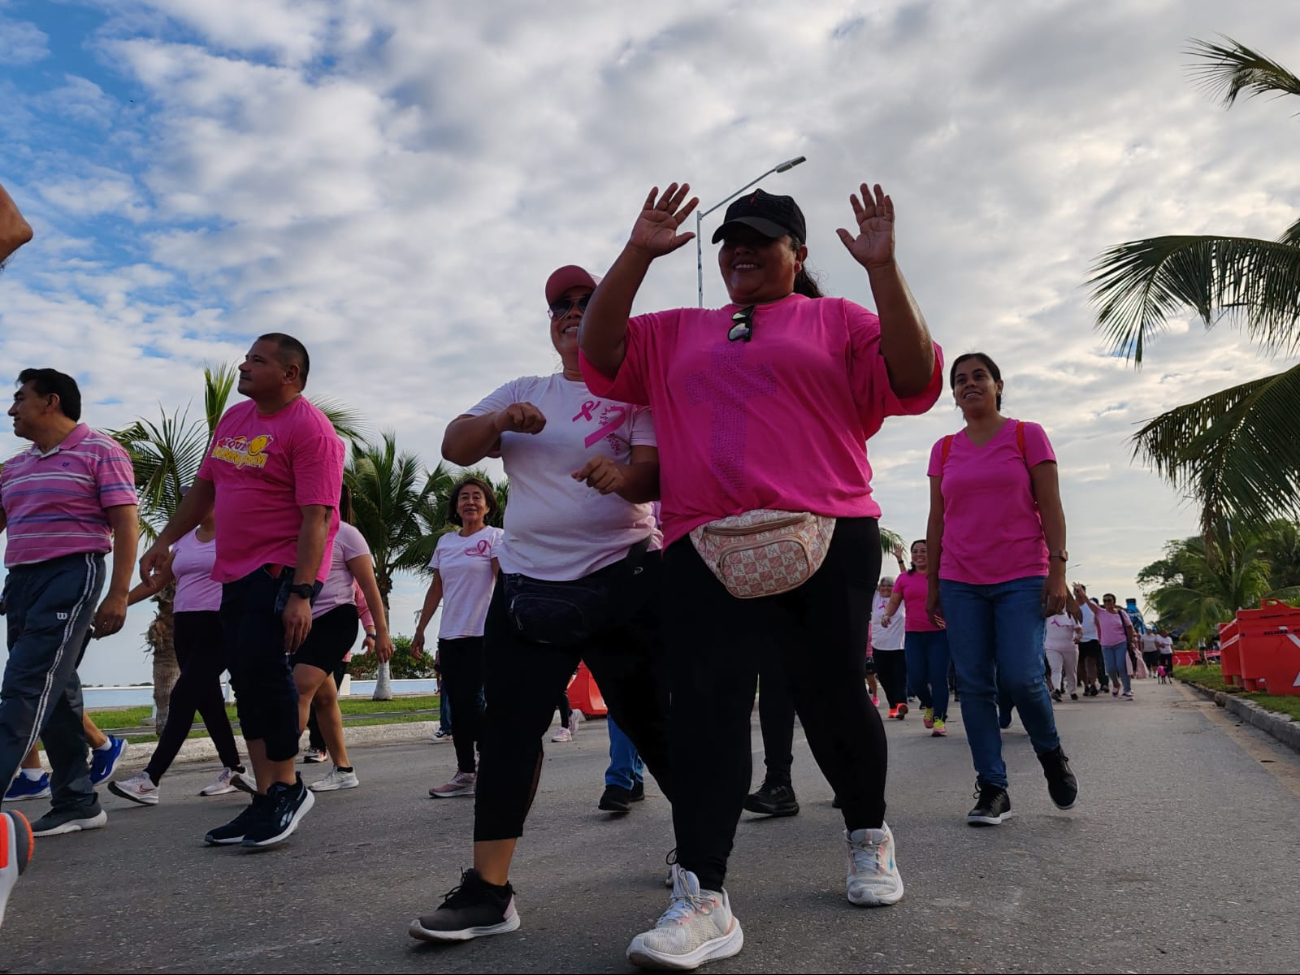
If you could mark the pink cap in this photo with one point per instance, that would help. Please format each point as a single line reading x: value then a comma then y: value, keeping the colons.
x: 569, y: 276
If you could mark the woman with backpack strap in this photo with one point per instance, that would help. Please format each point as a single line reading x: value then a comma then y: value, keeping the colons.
x: 997, y: 563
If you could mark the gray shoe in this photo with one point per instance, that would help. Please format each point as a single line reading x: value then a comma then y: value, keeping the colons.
x: 58, y: 821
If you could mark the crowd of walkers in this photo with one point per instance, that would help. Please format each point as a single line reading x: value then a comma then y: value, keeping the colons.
x: 654, y: 469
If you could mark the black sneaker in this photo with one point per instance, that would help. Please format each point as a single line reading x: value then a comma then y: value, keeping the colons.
x: 286, y: 805
x: 1057, y: 696
x: 473, y: 909
x: 1061, y: 783
x: 233, y: 831
x: 992, y: 808
x: 773, y: 800
x: 617, y: 799
x: 638, y: 792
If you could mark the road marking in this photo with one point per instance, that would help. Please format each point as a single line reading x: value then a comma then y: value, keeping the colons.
x: 1274, y: 757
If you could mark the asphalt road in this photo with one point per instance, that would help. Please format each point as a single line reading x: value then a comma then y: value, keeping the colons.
x: 1181, y: 856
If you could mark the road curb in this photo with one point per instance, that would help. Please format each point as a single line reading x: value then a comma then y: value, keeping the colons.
x: 1280, y: 726
x: 202, y: 749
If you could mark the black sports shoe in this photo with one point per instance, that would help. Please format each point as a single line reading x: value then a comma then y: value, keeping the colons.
x: 992, y: 808
x: 233, y: 831
x: 1057, y: 696
x: 638, y: 792
x: 1061, y: 783
x: 773, y: 800
x: 472, y: 909
x: 286, y: 805
x: 616, y: 799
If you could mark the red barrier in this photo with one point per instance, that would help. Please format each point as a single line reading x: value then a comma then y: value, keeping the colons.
x: 1230, y: 653
x: 1269, y: 648
x: 585, y: 696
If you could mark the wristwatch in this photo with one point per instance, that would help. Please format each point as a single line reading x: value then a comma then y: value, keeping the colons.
x: 1063, y: 555
x: 304, y: 590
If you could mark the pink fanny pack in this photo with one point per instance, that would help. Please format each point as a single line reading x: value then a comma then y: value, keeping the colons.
x: 764, y: 552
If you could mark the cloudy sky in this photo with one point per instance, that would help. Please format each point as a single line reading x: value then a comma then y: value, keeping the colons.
x: 393, y: 181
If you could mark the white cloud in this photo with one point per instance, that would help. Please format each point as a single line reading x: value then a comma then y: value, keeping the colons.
x: 22, y: 42
x: 394, y: 181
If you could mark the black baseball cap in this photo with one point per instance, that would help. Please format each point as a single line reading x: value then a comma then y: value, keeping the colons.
x: 772, y: 216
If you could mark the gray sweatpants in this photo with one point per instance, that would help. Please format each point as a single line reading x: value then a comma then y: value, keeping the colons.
x: 48, y: 608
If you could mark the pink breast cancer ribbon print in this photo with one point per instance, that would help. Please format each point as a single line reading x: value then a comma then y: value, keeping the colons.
x: 611, y: 420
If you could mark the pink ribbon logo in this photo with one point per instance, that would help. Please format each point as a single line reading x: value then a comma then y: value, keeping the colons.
x: 481, y: 550
x: 585, y: 412
x: 618, y: 414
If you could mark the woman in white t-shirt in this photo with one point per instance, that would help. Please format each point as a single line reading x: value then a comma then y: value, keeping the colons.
x: 580, y: 575
x: 335, y: 617
x: 464, y: 568
x: 887, y: 647
x: 1061, y: 636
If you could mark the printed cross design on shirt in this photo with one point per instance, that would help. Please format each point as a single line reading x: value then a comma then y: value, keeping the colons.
x: 728, y: 384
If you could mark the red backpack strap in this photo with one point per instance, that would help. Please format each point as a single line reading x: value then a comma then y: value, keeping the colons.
x: 1020, y: 441
x: 945, y: 450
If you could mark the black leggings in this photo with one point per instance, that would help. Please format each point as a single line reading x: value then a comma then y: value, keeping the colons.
x: 524, y: 680
x: 891, y: 671
x: 776, y: 719
x: 199, y: 652
x: 462, y: 682
x: 715, y: 644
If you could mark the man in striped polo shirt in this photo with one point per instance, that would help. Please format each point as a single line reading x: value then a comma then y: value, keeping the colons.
x: 65, y: 503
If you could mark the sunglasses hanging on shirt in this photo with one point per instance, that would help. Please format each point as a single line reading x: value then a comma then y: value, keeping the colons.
x: 742, y: 328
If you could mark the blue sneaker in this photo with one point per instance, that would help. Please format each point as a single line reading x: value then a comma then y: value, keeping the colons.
x: 24, y: 788
x: 104, y: 763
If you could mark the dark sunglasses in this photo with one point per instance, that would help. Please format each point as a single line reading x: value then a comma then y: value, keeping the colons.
x: 563, y: 306
x: 742, y: 329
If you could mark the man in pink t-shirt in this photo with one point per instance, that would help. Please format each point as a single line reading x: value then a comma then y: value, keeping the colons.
x: 65, y: 504
x: 273, y: 473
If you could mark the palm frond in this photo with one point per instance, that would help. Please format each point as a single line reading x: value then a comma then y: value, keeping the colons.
x: 218, y: 383
x: 1139, y: 285
x: 1291, y: 235
x: 889, y: 540
x: 348, y: 423
x: 1228, y: 69
x: 1236, y: 451
x: 166, y: 456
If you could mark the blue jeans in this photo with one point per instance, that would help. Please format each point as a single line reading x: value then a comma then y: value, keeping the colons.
x: 625, y: 765
x: 1117, y: 665
x: 927, y: 669
x: 995, y: 633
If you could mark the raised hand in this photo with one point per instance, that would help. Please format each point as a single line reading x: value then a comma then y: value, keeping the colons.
x: 655, y: 231
x: 898, y: 552
x: 873, y: 246
x: 520, y: 418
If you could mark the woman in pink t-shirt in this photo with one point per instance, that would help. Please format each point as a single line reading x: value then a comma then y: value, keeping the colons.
x: 765, y: 406
x: 925, y: 643
x: 997, y: 569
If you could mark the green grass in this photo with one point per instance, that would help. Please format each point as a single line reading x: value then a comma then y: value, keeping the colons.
x: 1211, y: 677
x: 115, y: 718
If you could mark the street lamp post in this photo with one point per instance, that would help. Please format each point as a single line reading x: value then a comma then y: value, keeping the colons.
x: 701, y: 214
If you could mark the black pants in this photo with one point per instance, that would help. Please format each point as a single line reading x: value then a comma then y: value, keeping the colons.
x: 314, y: 737
x: 462, y: 681
x: 565, y: 708
x: 49, y: 606
x: 523, y: 680
x: 775, y: 719
x: 715, y: 643
x: 202, y: 658
x: 891, y: 672
x: 253, y: 633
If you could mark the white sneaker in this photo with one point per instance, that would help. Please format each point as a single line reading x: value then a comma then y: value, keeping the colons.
x: 139, y: 788
x: 575, y: 719
x: 440, y: 736
x: 564, y: 734
x: 337, y: 779
x: 873, y: 880
x: 223, y: 785
x: 697, y: 927
x: 461, y: 784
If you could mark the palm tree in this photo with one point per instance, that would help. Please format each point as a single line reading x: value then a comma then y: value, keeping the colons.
x: 166, y: 455
x: 1234, y: 450
x: 1202, y: 582
x: 388, y: 489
